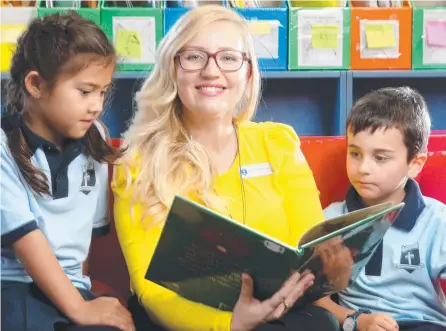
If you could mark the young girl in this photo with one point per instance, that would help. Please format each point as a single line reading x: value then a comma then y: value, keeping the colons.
x: 54, y: 178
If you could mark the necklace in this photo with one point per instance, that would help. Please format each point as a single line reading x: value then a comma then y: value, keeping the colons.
x: 242, y: 185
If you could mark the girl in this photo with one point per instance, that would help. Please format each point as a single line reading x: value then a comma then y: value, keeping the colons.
x: 54, y: 178
x: 192, y: 135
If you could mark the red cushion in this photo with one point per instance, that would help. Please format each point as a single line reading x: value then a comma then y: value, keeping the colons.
x: 433, y: 182
x: 437, y: 143
x: 103, y: 289
x: 326, y: 158
x: 107, y: 265
x: 433, y: 176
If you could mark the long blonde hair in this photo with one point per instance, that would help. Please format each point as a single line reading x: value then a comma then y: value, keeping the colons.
x: 169, y: 163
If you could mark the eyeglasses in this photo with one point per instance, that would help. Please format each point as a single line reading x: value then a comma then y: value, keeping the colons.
x: 227, y: 60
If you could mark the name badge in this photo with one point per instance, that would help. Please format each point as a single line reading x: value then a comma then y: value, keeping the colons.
x: 256, y: 170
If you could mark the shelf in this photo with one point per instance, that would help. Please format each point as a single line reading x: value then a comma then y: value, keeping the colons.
x: 314, y: 103
x: 301, y: 74
x: 430, y: 83
x: 265, y: 74
x: 309, y: 74
x: 299, y: 103
x: 131, y: 74
x: 303, y: 106
x: 399, y: 74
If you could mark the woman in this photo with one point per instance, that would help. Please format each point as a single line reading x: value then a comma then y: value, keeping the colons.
x: 191, y: 135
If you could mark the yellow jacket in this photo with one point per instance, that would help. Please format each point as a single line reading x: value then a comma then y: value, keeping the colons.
x: 281, y: 203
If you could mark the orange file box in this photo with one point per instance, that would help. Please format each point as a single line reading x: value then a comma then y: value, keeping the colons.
x: 381, y: 38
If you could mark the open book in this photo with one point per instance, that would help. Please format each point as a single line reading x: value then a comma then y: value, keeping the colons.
x: 201, y: 254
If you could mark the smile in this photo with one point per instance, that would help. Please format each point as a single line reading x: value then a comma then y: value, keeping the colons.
x: 210, y: 90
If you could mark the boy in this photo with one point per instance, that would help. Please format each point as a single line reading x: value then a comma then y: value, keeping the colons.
x: 387, y: 136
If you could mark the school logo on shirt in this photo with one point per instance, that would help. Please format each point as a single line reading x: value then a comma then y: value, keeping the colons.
x: 410, y: 258
x: 88, y: 182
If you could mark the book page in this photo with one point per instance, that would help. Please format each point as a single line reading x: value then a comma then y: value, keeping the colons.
x: 336, y: 261
x: 326, y: 227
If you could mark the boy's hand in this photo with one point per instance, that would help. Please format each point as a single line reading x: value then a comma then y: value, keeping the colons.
x: 376, y: 322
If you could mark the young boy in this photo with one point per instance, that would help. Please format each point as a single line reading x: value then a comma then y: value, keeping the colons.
x: 387, y: 136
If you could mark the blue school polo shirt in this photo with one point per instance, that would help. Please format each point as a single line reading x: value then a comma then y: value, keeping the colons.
x: 401, y: 278
x: 76, y: 209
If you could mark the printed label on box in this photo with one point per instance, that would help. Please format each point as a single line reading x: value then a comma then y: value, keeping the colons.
x: 379, y: 39
x: 135, y: 39
x: 434, y: 36
x: 266, y: 38
x: 320, y: 37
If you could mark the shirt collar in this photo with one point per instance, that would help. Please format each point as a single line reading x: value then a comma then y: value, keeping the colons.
x: 407, y: 218
x: 34, y: 141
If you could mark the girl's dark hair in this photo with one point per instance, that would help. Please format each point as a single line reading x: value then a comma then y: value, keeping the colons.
x: 51, y: 46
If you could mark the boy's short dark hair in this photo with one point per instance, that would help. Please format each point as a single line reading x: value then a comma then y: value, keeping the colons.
x: 394, y: 107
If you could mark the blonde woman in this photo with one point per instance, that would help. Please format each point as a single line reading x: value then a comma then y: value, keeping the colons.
x: 191, y: 135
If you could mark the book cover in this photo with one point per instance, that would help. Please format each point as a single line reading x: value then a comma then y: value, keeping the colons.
x: 201, y: 254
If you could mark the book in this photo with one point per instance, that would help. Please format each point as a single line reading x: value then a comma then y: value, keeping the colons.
x: 201, y: 254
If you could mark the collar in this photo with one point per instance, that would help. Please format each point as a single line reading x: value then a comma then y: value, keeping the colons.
x: 407, y: 218
x: 34, y: 141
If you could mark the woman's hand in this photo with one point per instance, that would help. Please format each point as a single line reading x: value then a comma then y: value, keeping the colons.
x: 103, y: 311
x: 250, y: 312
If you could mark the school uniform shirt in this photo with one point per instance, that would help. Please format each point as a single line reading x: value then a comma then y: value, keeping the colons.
x: 281, y: 200
x: 402, y: 277
x: 76, y: 208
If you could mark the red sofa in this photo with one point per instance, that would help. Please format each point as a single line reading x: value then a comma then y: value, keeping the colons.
x: 326, y: 157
